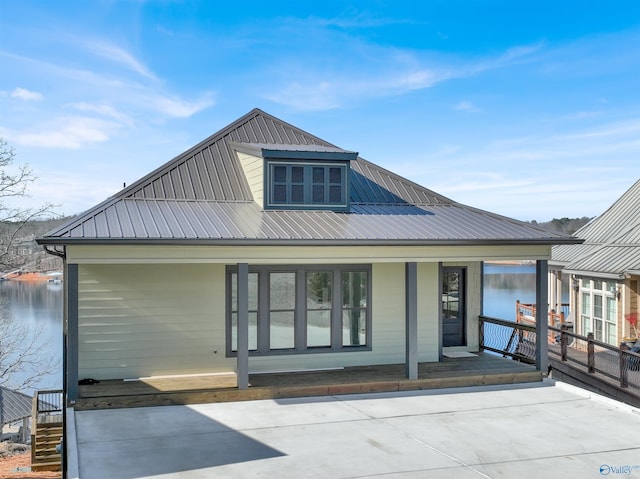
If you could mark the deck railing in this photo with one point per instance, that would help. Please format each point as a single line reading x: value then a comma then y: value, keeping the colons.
x: 615, y: 363
x: 47, y: 402
x: 46, y: 409
x: 526, y: 313
x: 514, y: 340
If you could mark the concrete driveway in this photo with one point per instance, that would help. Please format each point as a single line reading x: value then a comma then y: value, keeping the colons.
x: 543, y: 430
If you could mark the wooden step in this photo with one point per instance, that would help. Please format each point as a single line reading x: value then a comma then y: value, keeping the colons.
x: 54, y: 466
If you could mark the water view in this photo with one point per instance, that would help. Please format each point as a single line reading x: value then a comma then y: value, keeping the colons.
x: 504, y: 284
x: 39, y: 305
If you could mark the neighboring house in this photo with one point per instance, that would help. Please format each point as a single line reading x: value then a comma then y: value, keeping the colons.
x: 14, y: 406
x: 604, y: 271
x: 265, y: 248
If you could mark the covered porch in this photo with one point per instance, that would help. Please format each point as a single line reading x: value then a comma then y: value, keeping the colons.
x: 459, y: 370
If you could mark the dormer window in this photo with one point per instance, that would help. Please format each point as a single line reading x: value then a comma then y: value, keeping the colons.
x: 315, y: 185
x: 310, y: 177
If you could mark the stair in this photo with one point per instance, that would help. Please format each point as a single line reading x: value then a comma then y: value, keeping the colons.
x: 43, y: 447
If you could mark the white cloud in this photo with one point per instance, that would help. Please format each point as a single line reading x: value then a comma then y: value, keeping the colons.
x: 64, y: 132
x: 105, y: 110
x: 178, y: 108
x: 394, y: 72
x: 466, y: 106
x: 118, y: 55
x: 27, y: 95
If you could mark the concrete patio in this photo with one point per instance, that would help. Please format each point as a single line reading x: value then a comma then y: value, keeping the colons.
x: 544, y: 429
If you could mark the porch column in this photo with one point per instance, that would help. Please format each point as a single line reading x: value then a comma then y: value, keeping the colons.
x: 243, y: 326
x: 70, y: 345
x: 411, y: 320
x: 542, y: 316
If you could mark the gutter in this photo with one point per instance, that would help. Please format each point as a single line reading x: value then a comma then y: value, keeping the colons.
x: 301, y: 242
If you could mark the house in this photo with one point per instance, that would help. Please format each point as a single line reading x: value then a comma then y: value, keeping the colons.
x: 14, y: 407
x: 604, y: 271
x: 265, y: 248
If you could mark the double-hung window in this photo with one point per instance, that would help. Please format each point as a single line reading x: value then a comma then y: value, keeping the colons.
x: 298, y: 309
x: 598, y: 309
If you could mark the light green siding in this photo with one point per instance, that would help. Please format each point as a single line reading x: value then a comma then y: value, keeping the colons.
x: 300, y: 254
x: 253, y: 167
x: 149, y: 320
x: 139, y: 320
x: 428, y: 312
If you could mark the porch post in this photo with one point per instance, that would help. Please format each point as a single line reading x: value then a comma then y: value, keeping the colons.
x: 70, y: 346
x: 243, y: 326
x: 411, y: 320
x: 542, y: 316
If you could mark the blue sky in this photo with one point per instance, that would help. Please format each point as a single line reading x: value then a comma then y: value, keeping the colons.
x: 530, y: 109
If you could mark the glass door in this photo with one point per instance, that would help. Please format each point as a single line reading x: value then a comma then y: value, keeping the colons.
x: 453, y: 307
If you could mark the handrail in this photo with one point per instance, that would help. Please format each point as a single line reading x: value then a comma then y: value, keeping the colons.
x: 611, y: 361
x: 515, y: 340
x: 528, y: 310
x: 45, y: 403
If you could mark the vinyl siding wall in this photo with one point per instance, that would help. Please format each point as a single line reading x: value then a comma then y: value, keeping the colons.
x: 150, y: 320
x: 253, y: 167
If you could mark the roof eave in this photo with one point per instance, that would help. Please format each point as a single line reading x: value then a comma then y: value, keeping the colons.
x: 293, y: 242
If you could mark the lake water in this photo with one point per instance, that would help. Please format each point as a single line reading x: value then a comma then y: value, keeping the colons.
x: 39, y: 305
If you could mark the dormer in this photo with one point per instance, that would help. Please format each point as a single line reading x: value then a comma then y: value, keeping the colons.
x: 304, y: 177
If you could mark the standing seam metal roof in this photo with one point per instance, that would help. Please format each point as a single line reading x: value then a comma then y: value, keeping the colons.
x: 14, y: 406
x: 611, y: 241
x: 204, y: 195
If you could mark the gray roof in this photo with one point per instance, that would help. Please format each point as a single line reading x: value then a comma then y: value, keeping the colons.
x: 14, y: 406
x: 202, y: 197
x: 611, y: 241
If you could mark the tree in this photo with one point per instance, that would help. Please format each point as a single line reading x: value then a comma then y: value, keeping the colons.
x: 23, y: 361
x: 23, y: 358
x: 14, y: 182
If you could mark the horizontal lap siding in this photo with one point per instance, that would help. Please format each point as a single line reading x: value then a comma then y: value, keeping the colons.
x: 428, y: 312
x: 145, y: 320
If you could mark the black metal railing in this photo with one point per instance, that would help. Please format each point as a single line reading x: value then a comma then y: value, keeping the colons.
x: 613, y: 362
x: 514, y: 340
x: 48, y: 401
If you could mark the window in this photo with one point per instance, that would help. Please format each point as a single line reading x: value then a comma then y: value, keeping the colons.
x: 598, y: 309
x: 295, y: 309
x: 307, y: 185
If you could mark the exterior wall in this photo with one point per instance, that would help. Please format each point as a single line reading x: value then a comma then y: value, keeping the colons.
x: 152, y: 320
x: 253, y: 167
x: 300, y: 254
x: 144, y: 320
x: 161, y: 310
x: 631, y: 302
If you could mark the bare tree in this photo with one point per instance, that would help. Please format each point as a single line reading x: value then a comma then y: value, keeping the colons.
x: 14, y: 183
x: 23, y: 360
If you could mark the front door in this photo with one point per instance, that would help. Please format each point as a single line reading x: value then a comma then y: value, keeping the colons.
x: 453, y: 307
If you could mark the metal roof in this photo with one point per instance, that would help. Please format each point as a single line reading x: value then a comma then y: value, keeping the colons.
x: 150, y: 219
x: 314, y: 152
x: 14, y: 406
x: 202, y: 197
x: 611, y: 241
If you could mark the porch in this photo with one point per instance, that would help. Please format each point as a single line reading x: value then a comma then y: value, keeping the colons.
x: 468, y: 369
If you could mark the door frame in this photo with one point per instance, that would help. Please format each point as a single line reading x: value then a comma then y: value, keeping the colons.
x: 462, y: 304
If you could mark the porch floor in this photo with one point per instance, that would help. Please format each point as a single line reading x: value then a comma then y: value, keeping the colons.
x: 480, y: 369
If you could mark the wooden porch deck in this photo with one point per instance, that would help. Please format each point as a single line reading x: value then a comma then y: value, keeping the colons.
x: 480, y: 369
